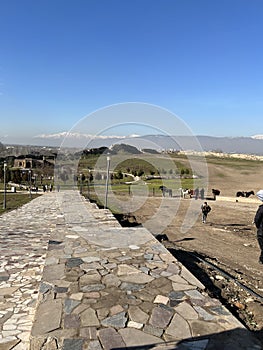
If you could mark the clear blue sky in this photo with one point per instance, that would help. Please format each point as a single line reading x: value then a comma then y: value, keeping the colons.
x: 200, y: 59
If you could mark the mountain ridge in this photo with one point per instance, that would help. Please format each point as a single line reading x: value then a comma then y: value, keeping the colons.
x: 240, y: 145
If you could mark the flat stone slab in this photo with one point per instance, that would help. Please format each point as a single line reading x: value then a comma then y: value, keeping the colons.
x: 73, y: 344
x: 116, y: 321
x: 138, y: 315
x: 179, y: 328
x: 53, y: 272
x: 111, y: 339
x: 119, y: 237
x: 89, y: 318
x: 139, y: 278
x: 135, y: 337
x: 161, y: 317
x: 8, y: 291
x: 47, y: 318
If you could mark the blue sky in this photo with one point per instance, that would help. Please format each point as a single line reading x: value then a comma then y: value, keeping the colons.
x: 62, y: 60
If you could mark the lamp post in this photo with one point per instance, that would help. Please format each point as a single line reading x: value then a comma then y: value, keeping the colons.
x: 35, y: 180
x: 107, y: 182
x: 88, y: 182
x: 4, y: 203
x: 80, y: 187
x: 30, y: 183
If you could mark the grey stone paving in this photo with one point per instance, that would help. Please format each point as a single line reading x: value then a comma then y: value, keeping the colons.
x: 103, y: 286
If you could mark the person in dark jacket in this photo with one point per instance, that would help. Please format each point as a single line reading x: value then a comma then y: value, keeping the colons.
x: 205, y: 210
x: 259, y: 225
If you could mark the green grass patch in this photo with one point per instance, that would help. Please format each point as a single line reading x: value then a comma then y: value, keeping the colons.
x: 139, y: 163
x: 15, y: 200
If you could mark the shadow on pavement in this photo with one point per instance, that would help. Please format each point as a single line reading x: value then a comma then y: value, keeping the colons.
x: 185, y: 239
x: 193, y: 265
x: 236, y: 339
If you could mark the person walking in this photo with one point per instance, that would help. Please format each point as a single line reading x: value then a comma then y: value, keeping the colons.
x: 205, y: 210
x: 196, y: 193
x: 258, y: 220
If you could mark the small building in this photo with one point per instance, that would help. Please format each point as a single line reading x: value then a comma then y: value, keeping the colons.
x: 23, y: 163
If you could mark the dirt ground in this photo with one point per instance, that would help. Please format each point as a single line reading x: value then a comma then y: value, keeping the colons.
x: 228, y: 240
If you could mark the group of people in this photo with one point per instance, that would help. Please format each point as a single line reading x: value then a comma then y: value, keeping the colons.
x: 258, y: 220
x: 47, y: 188
x: 50, y: 188
x: 199, y: 193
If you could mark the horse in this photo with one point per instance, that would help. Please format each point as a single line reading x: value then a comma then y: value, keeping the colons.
x: 249, y: 193
x: 215, y: 192
x: 240, y: 194
x: 191, y: 193
x: 164, y: 190
x: 244, y: 194
x: 185, y: 192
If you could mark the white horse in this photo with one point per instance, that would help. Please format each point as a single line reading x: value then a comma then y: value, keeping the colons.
x: 184, y: 192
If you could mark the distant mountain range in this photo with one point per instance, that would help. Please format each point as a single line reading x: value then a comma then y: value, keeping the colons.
x: 243, y: 145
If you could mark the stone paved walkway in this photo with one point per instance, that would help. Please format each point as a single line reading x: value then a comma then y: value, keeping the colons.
x: 103, y: 286
x: 24, y: 236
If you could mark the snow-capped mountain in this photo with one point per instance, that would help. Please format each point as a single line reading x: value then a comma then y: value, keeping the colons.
x: 244, y: 145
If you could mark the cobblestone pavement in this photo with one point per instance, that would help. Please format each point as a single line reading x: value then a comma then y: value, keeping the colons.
x: 24, y: 235
x: 103, y: 286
